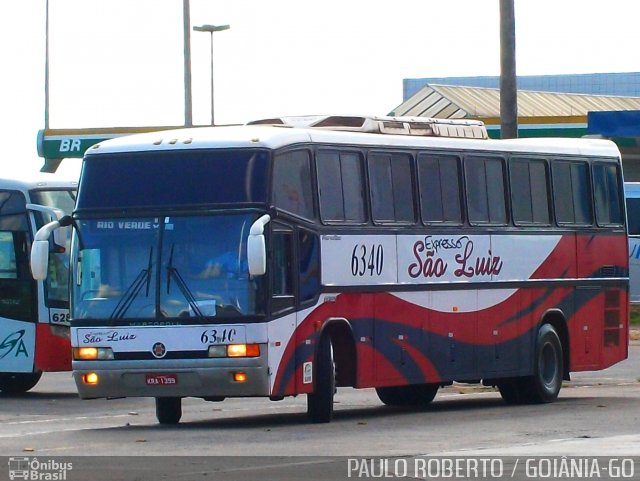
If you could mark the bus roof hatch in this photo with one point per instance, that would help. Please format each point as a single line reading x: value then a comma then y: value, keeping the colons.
x: 420, y: 126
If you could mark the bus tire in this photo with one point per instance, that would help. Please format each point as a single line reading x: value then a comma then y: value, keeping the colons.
x: 511, y: 391
x: 320, y: 402
x: 545, y: 383
x: 413, y: 395
x: 168, y: 410
x: 391, y: 396
x: 425, y: 393
x: 18, y: 383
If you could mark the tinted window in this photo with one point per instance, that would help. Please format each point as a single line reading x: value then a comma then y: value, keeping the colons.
x: 572, y: 197
x: 16, y: 284
x: 282, y: 276
x: 282, y: 269
x: 292, y: 190
x: 439, y: 179
x: 606, y: 189
x: 529, y: 192
x: 13, y: 214
x: 633, y: 215
x: 390, y: 180
x: 309, y: 268
x: 341, y: 187
x: 175, y: 178
x: 485, y: 190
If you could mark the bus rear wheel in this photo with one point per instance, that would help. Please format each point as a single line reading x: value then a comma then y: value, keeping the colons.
x: 17, y: 383
x: 168, y: 410
x: 413, y: 395
x: 320, y: 402
x: 548, y: 367
x: 511, y: 391
x: 544, y: 386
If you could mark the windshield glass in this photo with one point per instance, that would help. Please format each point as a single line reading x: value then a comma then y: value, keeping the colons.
x: 197, y: 177
x: 57, y: 283
x: 170, y: 267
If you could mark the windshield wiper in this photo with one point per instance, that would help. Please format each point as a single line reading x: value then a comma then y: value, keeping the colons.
x: 143, y: 277
x: 182, y: 285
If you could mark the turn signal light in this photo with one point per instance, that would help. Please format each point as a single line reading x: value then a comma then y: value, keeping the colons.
x: 90, y: 378
x: 92, y: 353
x: 243, y: 350
x: 239, y: 376
x: 235, y: 350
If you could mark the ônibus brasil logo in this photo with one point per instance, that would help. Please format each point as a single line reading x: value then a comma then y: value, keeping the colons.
x: 13, y: 343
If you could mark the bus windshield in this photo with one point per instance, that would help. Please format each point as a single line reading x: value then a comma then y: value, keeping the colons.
x: 57, y: 283
x: 171, y: 267
x: 180, y: 178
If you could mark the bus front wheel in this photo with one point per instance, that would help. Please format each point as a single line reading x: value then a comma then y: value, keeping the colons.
x: 168, y: 410
x: 17, y: 383
x: 320, y: 402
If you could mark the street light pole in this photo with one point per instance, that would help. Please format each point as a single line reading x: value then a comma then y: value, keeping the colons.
x: 186, y: 22
x: 46, y: 68
x: 211, y: 29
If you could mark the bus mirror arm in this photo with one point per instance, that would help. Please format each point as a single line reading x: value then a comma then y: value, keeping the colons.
x: 40, y: 247
x: 55, y: 214
x: 256, y: 247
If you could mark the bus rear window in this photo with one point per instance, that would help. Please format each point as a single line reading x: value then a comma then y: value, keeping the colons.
x: 177, y: 178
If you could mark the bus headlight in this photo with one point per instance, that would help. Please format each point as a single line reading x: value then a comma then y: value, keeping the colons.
x: 92, y: 353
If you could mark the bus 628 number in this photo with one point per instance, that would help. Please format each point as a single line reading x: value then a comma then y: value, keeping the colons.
x: 367, y: 260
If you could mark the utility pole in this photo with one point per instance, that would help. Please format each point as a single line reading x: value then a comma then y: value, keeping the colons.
x: 188, y: 114
x: 508, y: 84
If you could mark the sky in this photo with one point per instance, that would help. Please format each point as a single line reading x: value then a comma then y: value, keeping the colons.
x: 119, y: 63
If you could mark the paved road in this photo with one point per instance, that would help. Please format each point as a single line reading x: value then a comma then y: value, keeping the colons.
x: 596, y: 414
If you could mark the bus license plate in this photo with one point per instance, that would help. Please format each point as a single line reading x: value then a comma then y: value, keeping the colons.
x: 161, y: 379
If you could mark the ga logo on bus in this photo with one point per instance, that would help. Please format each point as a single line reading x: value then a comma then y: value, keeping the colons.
x: 13, y: 342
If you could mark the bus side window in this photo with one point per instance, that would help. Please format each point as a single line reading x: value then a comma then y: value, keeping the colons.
x: 633, y: 215
x: 341, y: 187
x: 485, y: 190
x: 16, y: 284
x: 292, y: 191
x: 529, y: 191
x: 572, y: 193
x: 439, y: 181
x: 309, y: 265
x: 282, y: 288
x: 606, y: 193
x: 390, y: 178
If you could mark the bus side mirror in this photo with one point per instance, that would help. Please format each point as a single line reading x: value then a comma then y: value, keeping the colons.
x: 40, y: 247
x: 39, y: 259
x: 256, y: 247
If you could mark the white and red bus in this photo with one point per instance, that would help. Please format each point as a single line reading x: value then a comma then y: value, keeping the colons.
x: 34, y: 316
x: 399, y: 254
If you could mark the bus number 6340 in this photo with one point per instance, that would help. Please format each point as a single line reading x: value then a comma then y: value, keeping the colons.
x: 367, y: 261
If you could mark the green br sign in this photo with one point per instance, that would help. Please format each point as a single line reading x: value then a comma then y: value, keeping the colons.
x: 60, y: 147
x: 69, y: 143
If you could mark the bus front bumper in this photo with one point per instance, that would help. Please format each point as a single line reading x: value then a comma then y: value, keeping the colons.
x: 213, y: 378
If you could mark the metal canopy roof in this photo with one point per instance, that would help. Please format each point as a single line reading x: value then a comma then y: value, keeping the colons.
x: 455, y: 102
